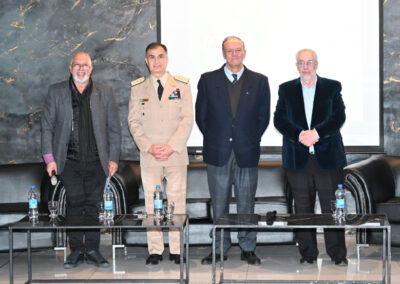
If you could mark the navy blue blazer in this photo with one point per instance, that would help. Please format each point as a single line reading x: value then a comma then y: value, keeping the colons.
x: 223, y: 133
x: 327, y: 118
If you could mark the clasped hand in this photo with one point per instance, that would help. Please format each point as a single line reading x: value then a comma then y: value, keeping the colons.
x: 161, y: 151
x: 308, y: 137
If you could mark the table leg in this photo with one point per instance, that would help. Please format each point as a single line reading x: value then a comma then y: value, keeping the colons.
x: 221, y: 276
x: 28, y: 240
x: 187, y: 248
x: 64, y: 249
x: 181, y: 253
x: 213, y: 255
x: 11, y: 247
x: 384, y: 256
x: 389, y: 255
x: 114, y: 247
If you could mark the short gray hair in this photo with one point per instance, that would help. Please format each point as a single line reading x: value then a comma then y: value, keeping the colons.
x: 72, y: 59
x: 232, y: 37
x: 306, y: 49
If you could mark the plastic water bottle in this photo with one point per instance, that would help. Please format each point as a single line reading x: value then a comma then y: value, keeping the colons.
x: 108, y: 204
x: 158, y: 203
x: 340, y: 203
x: 33, y: 204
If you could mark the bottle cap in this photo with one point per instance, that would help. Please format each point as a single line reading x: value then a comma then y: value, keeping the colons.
x: 158, y: 186
x: 340, y: 185
x: 32, y: 187
x: 108, y: 187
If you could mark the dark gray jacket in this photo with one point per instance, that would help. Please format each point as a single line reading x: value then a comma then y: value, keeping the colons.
x: 57, y: 123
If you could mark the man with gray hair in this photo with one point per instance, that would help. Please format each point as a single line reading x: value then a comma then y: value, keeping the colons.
x: 232, y: 112
x: 309, y: 114
x: 81, y: 142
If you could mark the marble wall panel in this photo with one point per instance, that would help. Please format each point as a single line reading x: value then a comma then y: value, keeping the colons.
x: 391, y: 83
x: 38, y: 39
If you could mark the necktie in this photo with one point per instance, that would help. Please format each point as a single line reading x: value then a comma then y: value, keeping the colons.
x: 160, y: 89
x: 234, y: 78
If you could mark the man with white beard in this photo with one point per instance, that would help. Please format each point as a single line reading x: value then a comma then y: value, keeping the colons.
x: 81, y: 142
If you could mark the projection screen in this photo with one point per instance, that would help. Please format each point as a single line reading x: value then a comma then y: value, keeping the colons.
x: 345, y: 34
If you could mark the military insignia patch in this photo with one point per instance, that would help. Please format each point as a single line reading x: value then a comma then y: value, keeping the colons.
x: 181, y: 79
x: 137, y: 81
x: 175, y: 95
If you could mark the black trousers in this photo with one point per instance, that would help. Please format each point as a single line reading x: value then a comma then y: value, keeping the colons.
x: 84, y: 185
x: 305, y: 183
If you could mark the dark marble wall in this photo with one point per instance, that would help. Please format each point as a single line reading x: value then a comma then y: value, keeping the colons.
x: 38, y: 39
x: 391, y: 71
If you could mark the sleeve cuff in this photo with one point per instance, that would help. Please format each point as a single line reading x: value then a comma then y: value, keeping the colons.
x: 316, y: 132
x: 298, y: 139
x: 48, y: 158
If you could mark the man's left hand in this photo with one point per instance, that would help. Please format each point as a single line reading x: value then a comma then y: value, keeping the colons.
x: 165, y: 152
x: 112, y: 168
x: 309, y: 137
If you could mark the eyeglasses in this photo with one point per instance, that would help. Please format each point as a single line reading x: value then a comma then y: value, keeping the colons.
x: 309, y: 63
x: 79, y: 66
x: 232, y: 51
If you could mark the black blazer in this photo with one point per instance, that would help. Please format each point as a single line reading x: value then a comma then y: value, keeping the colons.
x: 327, y: 118
x: 222, y: 132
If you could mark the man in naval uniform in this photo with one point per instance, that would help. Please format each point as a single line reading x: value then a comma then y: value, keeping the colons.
x: 160, y: 120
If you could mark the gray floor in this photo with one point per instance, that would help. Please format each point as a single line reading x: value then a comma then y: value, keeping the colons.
x: 278, y: 262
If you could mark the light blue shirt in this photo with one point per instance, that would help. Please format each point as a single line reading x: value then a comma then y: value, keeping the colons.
x: 308, y: 97
x: 229, y: 73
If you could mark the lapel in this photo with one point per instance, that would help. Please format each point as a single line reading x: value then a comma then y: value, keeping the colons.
x: 299, y: 101
x: 247, y: 90
x: 317, y: 99
x: 222, y: 90
x: 66, y: 101
x: 95, y: 104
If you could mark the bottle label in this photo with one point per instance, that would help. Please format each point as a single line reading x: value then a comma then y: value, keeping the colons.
x: 158, y: 204
x: 340, y: 203
x: 32, y: 203
x: 108, y: 205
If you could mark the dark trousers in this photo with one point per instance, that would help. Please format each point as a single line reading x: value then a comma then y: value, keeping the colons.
x: 305, y: 183
x: 220, y: 181
x: 84, y: 185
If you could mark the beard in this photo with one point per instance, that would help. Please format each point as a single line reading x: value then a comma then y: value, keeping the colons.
x: 80, y: 81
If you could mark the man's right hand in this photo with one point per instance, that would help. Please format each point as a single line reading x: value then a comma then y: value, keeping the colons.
x: 153, y: 150
x: 50, y: 167
x: 159, y: 151
x: 308, y: 137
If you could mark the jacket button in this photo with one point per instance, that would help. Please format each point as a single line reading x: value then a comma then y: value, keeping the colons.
x: 230, y: 139
x: 233, y: 125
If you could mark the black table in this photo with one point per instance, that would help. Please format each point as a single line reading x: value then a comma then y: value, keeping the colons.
x: 131, y: 222
x: 303, y: 221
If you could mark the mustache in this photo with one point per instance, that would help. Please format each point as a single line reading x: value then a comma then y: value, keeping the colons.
x: 81, y: 81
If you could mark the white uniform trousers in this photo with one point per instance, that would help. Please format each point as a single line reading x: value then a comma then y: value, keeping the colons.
x: 176, y: 177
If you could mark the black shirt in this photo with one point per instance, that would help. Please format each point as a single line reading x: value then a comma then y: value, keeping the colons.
x: 82, y: 143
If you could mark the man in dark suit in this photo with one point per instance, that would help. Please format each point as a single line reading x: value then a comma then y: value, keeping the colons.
x: 232, y: 112
x: 309, y: 114
x: 81, y: 141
